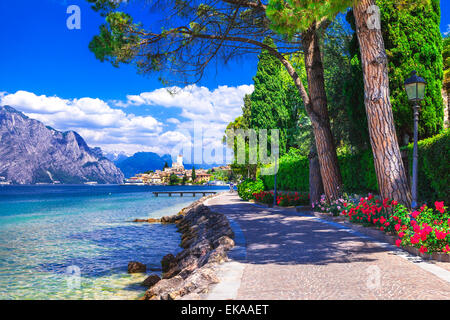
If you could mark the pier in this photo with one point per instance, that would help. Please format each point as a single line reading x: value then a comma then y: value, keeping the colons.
x: 182, y: 193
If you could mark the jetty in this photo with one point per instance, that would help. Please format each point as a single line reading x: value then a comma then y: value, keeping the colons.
x: 182, y: 193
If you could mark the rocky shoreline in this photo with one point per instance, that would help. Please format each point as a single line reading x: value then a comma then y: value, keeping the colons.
x: 206, y: 238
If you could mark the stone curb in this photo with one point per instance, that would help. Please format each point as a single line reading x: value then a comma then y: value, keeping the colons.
x: 368, y: 231
x: 381, y: 236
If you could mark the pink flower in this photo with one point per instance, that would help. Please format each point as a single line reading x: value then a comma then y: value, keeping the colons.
x: 439, y: 206
x: 423, y: 249
x: 440, y: 235
x: 397, y: 227
x: 415, y: 239
x: 401, y: 234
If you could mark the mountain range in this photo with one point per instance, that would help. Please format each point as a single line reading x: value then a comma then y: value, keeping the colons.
x: 141, y: 162
x: 31, y: 152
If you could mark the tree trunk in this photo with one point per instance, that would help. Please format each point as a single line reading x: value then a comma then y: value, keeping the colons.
x: 389, y: 168
x: 315, y: 178
x: 318, y: 112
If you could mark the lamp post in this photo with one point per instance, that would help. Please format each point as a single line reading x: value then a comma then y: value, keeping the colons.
x: 275, y: 184
x: 415, y: 89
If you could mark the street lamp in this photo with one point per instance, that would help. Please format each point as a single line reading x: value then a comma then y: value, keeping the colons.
x: 415, y: 89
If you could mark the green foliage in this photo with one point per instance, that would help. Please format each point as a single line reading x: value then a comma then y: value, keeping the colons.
x: 358, y: 172
x: 248, y: 187
x: 173, y: 179
x: 293, y: 173
x: 434, y: 167
x: 413, y: 42
x: 446, y: 60
x: 344, y: 86
x: 268, y: 100
x: 115, y: 43
x: 291, y: 16
x: 193, y: 174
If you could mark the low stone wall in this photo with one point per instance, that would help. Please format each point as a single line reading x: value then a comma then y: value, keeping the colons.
x: 206, y: 238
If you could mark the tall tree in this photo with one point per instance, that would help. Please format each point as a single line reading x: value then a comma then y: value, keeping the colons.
x: 389, y: 168
x: 413, y: 41
x: 193, y: 174
x: 198, y: 32
x: 391, y: 176
x: 268, y: 101
x: 446, y: 83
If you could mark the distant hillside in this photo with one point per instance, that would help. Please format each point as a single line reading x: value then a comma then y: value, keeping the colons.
x: 142, y: 162
x: 30, y: 152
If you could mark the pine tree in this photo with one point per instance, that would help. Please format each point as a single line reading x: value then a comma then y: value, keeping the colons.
x: 268, y: 100
x: 194, y: 176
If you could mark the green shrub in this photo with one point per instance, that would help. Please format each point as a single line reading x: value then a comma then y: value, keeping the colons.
x: 293, y: 173
x: 434, y: 168
x: 358, y: 172
x: 248, y: 187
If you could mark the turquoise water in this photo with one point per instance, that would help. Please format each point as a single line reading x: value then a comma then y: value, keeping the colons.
x: 75, y: 242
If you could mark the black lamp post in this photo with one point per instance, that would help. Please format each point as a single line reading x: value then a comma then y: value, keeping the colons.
x: 275, y: 184
x: 415, y: 89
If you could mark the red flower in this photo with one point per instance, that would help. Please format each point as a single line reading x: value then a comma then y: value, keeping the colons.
x: 440, y: 235
x: 398, y: 242
x: 415, y: 214
x: 423, y: 249
x: 401, y: 234
x: 394, y: 203
x: 397, y: 227
x: 415, y: 239
x: 439, y: 206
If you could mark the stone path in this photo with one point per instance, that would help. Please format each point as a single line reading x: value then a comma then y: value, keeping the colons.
x: 287, y: 255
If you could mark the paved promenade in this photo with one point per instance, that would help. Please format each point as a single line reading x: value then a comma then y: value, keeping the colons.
x: 286, y: 255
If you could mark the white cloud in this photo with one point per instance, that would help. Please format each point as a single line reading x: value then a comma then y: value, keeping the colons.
x: 173, y: 120
x: 92, y: 118
x: 109, y: 126
x: 448, y: 30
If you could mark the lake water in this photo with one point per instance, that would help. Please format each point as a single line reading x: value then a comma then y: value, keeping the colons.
x: 75, y: 242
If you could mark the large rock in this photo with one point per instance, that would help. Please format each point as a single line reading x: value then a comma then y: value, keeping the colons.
x: 206, y: 238
x: 136, y: 267
x: 151, y: 280
x: 168, y: 262
x: 164, y: 288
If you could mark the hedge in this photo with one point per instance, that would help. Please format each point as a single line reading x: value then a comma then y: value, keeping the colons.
x: 434, y: 167
x: 358, y: 172
x: 293, y: 173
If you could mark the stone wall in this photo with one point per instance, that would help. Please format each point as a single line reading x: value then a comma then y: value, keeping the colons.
x: 206, y: 238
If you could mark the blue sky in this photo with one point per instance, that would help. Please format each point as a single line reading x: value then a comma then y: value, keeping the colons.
x: 48, y: 72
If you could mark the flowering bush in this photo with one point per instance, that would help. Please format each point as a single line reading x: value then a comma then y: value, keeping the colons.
x: 427, y: 229
x: 264, y: 197
x: 284, y: 199
x: 334, y: 207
